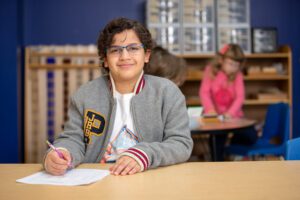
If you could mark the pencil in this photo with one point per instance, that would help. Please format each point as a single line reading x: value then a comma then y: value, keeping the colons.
x: 59, y: 153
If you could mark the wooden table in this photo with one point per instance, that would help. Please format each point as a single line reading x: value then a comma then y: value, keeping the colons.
x: 207, y: 180
x: 214, y: 128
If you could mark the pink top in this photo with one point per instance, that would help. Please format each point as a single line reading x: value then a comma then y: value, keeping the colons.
x: 219, y: 94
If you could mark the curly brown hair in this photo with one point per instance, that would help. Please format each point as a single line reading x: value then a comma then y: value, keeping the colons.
x: 119, y: 25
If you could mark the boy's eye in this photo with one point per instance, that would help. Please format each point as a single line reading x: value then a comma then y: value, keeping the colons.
x: 114, y: 50
x: 132, y: 48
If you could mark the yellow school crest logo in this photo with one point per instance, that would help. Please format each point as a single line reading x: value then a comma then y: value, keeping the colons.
x: 94, y: 124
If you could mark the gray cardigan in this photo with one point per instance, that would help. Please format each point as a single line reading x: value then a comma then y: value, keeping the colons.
x: 159, y: 116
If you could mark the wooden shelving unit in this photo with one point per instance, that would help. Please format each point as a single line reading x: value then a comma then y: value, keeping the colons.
x: 50, y: 79
x: 253, y: 107
x: 63, y: 66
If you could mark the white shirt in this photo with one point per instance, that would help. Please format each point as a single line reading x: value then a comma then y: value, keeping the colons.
x: 123, y: 136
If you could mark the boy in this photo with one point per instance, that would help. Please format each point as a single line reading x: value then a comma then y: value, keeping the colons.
x: 133, y: 120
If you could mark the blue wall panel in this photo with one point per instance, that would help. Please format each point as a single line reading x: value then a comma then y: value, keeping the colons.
x: 285, y: 16
x: 73, y: 21
x: 9, y: 118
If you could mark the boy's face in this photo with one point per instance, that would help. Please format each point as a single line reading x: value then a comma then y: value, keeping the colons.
x: 126, y: 64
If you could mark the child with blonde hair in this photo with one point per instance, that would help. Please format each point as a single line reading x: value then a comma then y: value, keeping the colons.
x: 222, y: 92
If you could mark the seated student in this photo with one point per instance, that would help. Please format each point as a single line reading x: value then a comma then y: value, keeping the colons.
x: 164, y: 64
x: 134, y: 120
x: 222, y: 92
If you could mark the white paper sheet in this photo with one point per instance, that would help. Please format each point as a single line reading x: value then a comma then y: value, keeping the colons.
x: 71, y: 178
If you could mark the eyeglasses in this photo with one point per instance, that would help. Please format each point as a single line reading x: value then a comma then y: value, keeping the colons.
x: 132, y: 49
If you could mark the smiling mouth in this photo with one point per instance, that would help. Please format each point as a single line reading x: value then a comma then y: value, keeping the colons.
x: 125, y: 65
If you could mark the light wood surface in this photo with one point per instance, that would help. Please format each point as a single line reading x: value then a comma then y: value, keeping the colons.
x: 223, y: 125
x: 219, y: 180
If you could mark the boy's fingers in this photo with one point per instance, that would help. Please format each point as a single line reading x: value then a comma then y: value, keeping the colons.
x: 59, y: 167
x: 56, y: 172
x: 57, y: 160
x: 116, y: 165
x: 129, y: 167
x: 135, y: 170
x: 111, y: 169
x: 53, y: 170
x: 120, y: 166
x: 67, y: 155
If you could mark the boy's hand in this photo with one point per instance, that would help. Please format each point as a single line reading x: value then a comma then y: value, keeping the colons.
x: 125, y: 165
x: 55, y: 165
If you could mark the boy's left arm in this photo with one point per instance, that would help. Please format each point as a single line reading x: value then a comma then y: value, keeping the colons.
x: 177, y: 143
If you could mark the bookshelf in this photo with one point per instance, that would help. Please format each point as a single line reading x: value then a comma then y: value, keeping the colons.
x: 255, y: 104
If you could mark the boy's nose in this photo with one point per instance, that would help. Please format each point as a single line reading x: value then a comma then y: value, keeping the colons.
x: 124, y: 54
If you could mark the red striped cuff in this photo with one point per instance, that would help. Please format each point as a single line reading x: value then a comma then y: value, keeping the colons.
x: 139, y: 155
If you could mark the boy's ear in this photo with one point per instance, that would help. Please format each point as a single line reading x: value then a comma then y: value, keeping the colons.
x: 147, y: 56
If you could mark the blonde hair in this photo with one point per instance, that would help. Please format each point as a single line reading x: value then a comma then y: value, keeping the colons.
x: 231, y: 51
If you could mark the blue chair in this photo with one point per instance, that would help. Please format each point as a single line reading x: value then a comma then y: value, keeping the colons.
x: 293, y: 149
x: 277, y: 125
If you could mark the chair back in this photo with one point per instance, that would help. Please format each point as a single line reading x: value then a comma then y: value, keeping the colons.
x: 277, y: 122
x: 293, y: 149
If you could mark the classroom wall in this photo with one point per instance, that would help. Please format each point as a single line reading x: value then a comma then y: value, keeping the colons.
x: 10, y: 141
x: 32, y: 22
x: 74, y: 21
x: 285, y: 16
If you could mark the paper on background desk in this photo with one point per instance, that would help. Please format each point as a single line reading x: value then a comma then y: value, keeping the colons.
x: 71, y: 178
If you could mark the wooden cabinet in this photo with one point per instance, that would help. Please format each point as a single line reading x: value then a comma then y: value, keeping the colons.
x: 269, y: 82
x: 52, y: 74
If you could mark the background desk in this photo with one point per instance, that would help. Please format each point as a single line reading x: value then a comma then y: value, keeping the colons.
x: 207, y: 180
x: 212, y: 128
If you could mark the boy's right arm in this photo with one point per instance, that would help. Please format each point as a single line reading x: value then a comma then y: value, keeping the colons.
x: 71, y: 139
